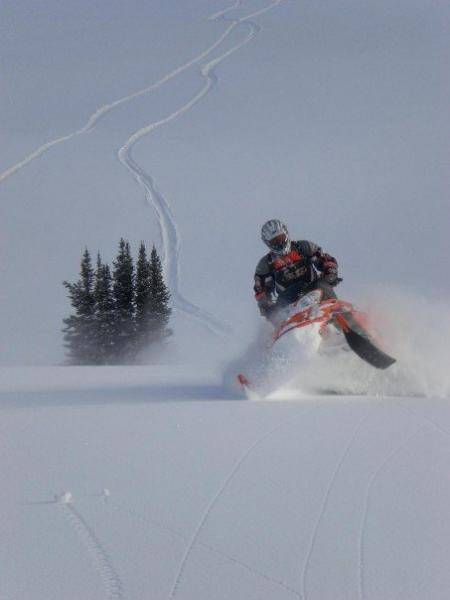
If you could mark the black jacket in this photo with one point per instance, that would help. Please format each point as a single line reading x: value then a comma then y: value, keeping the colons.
x: 288, y: 277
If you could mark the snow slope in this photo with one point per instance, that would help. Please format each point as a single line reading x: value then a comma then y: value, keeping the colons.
x: 188, y: 124
x: 159, y: 487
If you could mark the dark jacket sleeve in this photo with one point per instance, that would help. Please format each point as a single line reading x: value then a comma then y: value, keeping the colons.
x: 264, y: 285
x: 323, y: 262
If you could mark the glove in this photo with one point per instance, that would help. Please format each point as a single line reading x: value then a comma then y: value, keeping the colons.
x: 330, y: 276
x: 267, y: 310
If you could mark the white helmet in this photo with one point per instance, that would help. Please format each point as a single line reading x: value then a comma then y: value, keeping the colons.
x: 275, y: 235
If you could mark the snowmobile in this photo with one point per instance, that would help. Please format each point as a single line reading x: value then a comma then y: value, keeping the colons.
x: 325, y: 327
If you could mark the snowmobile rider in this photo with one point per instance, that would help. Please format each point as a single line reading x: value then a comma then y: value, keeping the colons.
x: 290, y: 270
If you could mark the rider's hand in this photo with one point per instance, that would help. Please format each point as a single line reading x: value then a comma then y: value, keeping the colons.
x: 331, y: 276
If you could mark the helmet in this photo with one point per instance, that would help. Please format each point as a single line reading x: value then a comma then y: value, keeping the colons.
x: 275, y: 235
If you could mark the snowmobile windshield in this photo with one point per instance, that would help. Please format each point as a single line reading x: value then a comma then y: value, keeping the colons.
x: 278, y: 243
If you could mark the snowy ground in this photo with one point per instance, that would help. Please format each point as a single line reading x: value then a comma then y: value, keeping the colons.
x: 166, y: 489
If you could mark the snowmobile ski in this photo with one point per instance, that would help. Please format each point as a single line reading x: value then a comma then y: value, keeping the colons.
x: 243, y: 381
x: 366, y: 349
x: 248, y: 387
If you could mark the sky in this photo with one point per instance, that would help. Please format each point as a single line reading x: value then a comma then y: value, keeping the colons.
x: 333, y: 117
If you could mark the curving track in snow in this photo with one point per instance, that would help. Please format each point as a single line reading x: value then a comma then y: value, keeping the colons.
x: 325, y: 501
x: 363, y: 529
x: 102, y: 111
x: 152, y: 524
x: 100, y: 557
x: 212, y: 503
x: 168, y: 227
x: 220, y: 13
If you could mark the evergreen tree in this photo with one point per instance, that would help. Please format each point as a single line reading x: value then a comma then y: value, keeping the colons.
x: 158, y: 305
x: 104, y: 314
x: 79, y: 328
x: 116, y: 315
x: 124, y: 303
x: 143, y: 293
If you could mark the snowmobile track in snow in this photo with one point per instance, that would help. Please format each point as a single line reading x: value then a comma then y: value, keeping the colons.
x: 219, y: 14
x: 168, y: 227
x: 363, y: 529
x: 100, y: 558
x: 194, y: 539
x: 101, y: 112
x: 325, y: 501
x: 151, y: 523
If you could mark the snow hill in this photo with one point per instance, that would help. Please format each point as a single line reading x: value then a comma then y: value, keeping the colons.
x: 151, y: 483
x: 188, y: 124
x: 191, y: 123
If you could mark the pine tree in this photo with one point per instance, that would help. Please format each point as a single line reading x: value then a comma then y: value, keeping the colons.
x: 158, y: 306
x: 124, y: 303
x: 143, y: 293
x: 79, y: 329
x: 104, y: 314
x: 116, y: 316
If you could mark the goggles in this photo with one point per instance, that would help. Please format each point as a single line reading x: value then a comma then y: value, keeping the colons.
x: 278, y: 242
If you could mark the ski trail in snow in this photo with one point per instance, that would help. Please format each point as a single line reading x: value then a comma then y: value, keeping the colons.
x: 325, y: 501
x: 261, y: 11
x: 166, y: 221
x: 250, y: 569
x: 100, y: 558
x: 151, y: 523
x: 168, y: 227
x: 171, y: 245
x: 363, y: 528
x: 38, y: 152
x: 220, y: 13
x: 425, y: 418
x: 193, y: 540
x: 101, y: 112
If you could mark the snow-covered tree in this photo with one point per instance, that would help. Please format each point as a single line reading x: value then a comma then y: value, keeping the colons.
x: 79, y: 328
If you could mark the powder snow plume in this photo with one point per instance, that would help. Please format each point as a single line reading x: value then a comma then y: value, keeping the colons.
x: 417, y: 330
x: 414, y: 329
